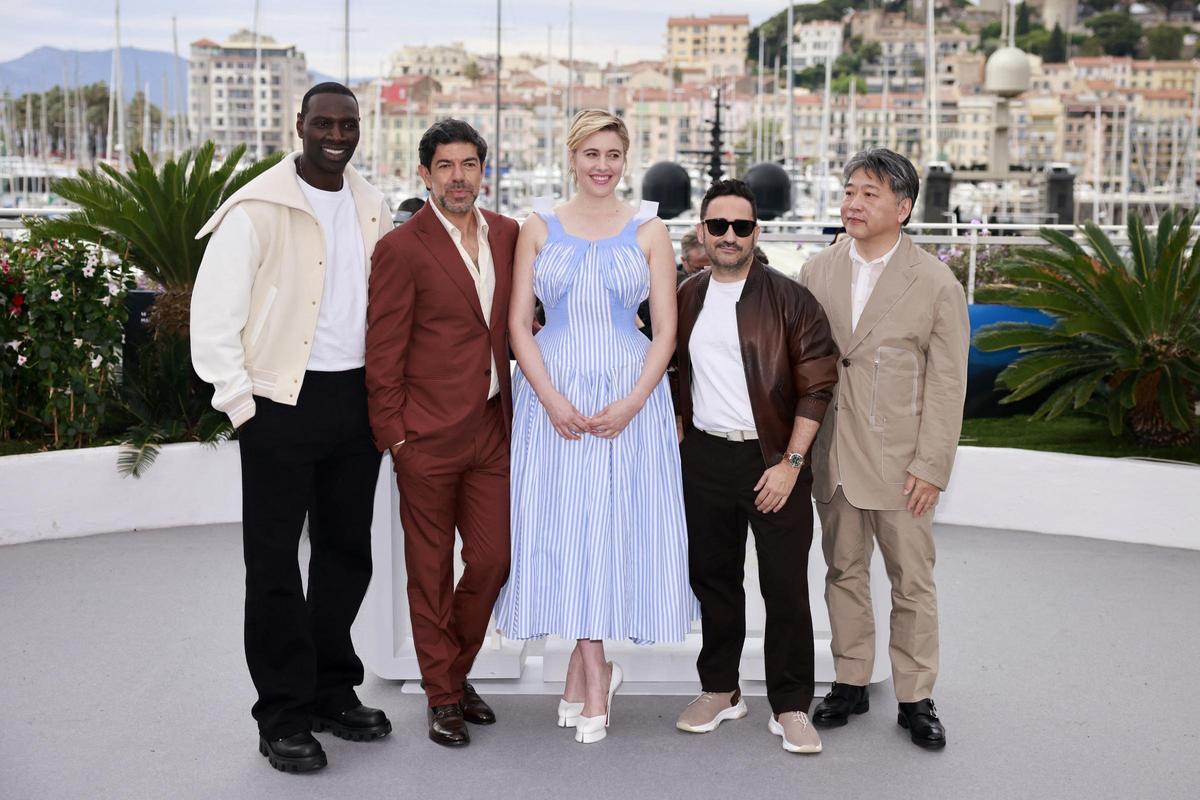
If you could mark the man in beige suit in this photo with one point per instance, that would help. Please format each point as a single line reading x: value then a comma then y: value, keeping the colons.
x: 887, y: 444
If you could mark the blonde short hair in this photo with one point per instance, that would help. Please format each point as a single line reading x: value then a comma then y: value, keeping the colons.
x: 590, y: 121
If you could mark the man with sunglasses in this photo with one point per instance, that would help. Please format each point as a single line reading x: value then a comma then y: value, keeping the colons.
x: 757, y: 365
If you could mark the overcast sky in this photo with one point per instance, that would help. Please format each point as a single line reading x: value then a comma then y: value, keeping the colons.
x: 630, y: 29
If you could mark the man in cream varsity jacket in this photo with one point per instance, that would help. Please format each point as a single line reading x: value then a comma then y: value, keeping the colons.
x: 278, y: 328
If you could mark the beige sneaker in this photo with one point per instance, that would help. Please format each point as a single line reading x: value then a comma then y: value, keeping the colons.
x: 710, y: 709
x: 799, y: 736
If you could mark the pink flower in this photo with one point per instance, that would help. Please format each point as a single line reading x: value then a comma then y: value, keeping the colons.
x: 21, y: 361
x: 89, y: 272
x: 56, y: 295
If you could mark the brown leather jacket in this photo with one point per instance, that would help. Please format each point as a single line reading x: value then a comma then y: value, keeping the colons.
x: 787, y: 350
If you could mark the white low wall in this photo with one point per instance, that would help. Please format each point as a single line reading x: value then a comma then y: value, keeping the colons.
x: 79, y: 493
x: 1120, y: 499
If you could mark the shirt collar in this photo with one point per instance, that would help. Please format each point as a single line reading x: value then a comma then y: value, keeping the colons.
x: 453, y: 230
x: 881, y: 261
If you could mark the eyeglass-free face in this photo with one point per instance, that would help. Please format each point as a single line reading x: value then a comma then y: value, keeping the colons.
x: 741, y: 227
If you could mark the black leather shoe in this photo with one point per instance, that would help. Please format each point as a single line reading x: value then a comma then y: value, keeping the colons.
x: 475, y: 710
x: 921, y: 720
x: 843, y: 700
x: 299, y: 752
x: 358, y: 724
x: 447, y: 726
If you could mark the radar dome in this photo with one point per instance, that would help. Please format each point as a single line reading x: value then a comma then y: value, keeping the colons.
x: 1008, y: 72
x: 772, y: 189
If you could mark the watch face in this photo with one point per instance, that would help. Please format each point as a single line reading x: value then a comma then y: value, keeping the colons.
x: 796, y: 460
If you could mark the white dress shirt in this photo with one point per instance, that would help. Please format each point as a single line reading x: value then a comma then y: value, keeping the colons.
x: 864, y: 277
x: 483, y: 273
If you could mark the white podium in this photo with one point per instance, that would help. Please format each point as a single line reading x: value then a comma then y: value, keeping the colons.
x: 383, y: 635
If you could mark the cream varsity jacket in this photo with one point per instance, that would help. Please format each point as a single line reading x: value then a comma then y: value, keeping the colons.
x: 258, y: 292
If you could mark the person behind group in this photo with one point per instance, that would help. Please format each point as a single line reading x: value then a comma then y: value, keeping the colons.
x: 277, y: 326
x: 437, y: 373
x: 692, y: 257
x: 599, y: 547
x: 889, y: 437
x: 407, y: 208
x: 756, y: 363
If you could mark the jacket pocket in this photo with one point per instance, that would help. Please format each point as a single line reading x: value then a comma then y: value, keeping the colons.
x: 263, y: 313
x: 896, y: 387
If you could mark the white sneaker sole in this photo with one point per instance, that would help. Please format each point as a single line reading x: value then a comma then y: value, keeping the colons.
x: 733, y: 712
x: 774, y: 727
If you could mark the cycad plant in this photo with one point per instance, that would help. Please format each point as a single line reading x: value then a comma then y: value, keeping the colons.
x: 149, y: 217
x: 1127, y: 334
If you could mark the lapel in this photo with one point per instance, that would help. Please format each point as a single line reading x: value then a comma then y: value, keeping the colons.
x: 893, y: 282
x: 502, y: 267
x: 837, y: 289
x: 437, y: 241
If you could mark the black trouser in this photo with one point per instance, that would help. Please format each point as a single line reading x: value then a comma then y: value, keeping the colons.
x: 718, y: 495
x: 315, y: 458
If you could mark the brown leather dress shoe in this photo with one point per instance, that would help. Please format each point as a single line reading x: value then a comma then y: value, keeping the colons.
x: 447, y: 727
x: 474, y: 709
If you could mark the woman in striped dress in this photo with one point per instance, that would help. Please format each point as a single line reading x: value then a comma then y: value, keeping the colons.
x: 599, y: 544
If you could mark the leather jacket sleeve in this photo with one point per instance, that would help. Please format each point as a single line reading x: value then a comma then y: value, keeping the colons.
x: 813, y: 356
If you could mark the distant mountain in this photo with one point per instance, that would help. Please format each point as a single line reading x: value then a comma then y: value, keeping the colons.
x: 42, y: 69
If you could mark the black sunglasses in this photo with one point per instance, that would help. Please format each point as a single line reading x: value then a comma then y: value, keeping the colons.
x: 741, y: 227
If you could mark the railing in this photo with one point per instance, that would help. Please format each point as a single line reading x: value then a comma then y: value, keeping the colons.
x: 808, y: 236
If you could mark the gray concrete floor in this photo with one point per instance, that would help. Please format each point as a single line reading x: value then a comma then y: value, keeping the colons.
x: 1068, y: 671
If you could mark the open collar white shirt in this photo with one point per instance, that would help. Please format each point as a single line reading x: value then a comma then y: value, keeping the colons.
x: 864, y: 277
x: 483, y: 273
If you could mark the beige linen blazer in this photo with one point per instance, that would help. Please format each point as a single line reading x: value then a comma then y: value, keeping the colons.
x: 902, y: 377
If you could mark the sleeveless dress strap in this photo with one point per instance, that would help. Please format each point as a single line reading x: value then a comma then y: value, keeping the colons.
x: 544, y: 208
x: 648, y: 210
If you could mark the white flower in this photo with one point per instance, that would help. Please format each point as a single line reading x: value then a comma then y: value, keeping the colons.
x: 56, y: 295
x: 97, y: 360
x: 89, y: 271
x: 114, y: 288
x: 78, y: 343
x: 21, y: 361
x: 92, y: 261
x: 105, y: 300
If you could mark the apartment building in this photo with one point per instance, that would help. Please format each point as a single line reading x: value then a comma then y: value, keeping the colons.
x: 715, y: 43
x: 232, y: 102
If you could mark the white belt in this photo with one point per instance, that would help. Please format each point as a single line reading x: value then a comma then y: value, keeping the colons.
x: 733, y: 436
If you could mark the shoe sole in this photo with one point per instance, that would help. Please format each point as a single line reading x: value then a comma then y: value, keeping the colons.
x: 837, y: 722
x: 774, y: 727
x: 733, y: 712
x: 351, y: 734
x: 928, y: 744
x: 310, y: 764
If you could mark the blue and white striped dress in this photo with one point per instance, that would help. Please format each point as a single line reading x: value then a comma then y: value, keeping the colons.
x: 599, y: 542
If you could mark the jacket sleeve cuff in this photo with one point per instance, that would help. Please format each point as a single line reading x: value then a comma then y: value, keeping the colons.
x: 387, y: 436
x: 812, y: 406
x: 241, y: 409
x: 922, y: 470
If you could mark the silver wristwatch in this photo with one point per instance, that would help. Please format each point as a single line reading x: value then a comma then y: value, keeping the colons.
x: 794, y: 460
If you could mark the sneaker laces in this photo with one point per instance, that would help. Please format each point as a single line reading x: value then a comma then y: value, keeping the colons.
x: 800, y: 717
x: 705, y: 697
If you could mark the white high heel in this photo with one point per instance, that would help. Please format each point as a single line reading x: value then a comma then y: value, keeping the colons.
x: 568, y: 713
x: 589, y: 730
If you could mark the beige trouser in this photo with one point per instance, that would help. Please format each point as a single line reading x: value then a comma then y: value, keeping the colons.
x: 906, y: 543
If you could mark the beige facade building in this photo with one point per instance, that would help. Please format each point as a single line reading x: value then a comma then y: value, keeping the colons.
x: 717, y: 43
x: 232, y: 103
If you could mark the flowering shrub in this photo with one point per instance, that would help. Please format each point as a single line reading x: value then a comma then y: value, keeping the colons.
x: 61, y: 315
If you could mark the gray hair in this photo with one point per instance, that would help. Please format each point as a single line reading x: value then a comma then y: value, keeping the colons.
x: 689, y: 242
x: 887, y: 165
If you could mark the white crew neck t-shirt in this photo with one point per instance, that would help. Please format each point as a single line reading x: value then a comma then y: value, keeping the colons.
x: 720, y: 399
x: 340, y: 340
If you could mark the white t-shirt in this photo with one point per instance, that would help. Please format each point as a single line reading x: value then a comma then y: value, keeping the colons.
x: 340, y: 340
x: 720, y: 399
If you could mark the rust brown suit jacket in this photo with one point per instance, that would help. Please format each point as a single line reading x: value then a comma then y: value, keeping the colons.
x: 429, y: 350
